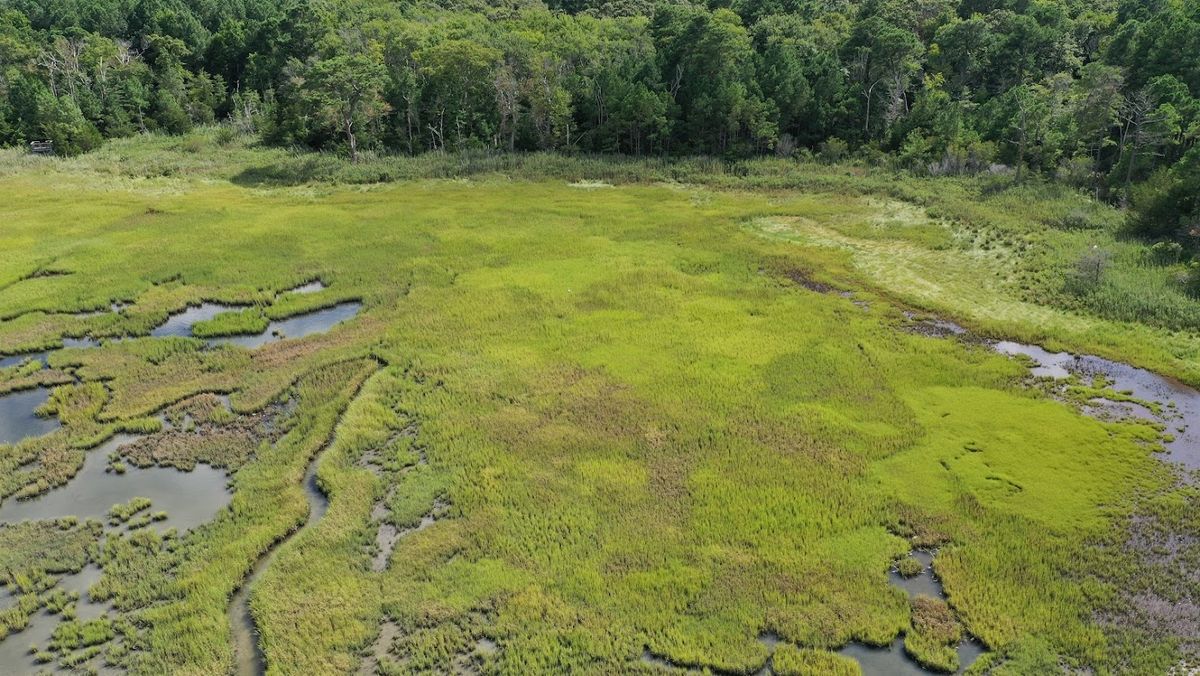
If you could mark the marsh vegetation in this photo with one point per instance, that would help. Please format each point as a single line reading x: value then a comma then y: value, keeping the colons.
x: 709, y: 417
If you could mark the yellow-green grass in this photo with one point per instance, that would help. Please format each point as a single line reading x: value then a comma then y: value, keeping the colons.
x: 649, y: 435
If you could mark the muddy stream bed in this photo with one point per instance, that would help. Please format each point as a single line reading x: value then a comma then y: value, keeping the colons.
x: 248, y: 655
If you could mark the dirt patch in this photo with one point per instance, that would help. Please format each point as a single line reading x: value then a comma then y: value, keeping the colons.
x: 933, y: 327
x: 388, y: 632
x: 388, y: 536
x: 802, y: 279
x: 1161, y: 593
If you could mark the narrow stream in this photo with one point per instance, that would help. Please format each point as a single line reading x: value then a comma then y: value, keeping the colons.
x: 248, y: 655
x: 1179, y: 404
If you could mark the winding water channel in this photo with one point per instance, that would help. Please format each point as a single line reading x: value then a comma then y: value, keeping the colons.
x: 193, y: 498
x: 189, y: 499
x: 248, y: 655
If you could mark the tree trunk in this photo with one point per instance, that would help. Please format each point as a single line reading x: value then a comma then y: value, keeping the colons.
x: 1133, y: 153
x: 351, y: 140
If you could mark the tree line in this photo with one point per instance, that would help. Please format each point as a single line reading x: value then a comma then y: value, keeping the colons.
x: 1098, y: 93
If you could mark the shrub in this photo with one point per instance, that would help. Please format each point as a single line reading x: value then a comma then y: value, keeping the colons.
x: 1077, y: 219
x: 1089, y: 270
x: 1166, y: 253
x: 834, y: 150
x: 1191, y: 278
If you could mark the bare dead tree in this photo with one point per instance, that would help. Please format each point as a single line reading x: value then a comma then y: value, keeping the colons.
x: 1142, y: 129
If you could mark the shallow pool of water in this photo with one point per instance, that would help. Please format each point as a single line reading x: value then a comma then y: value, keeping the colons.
x: 891, y: 660
x: 311, y: 287
x: 43, y: 357
x: 1182, y: 420
x: 188, y: 498
x: 17, y: 418
x: 318, y: 321
x: 181, y: 323
x: 18, y: 359
x: 15, y: 657
x: 923, y: 584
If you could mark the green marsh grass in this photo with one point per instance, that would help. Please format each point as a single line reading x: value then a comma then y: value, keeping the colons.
x: 652, y: 429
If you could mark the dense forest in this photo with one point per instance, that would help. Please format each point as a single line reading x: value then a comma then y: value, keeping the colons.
x: 1100, y: 94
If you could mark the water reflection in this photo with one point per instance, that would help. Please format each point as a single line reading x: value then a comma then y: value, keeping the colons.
x: 188, y: 498
x: 318, y: 321
x: 180, y: 324
x: 1180, y: 404
x: 17, y: 418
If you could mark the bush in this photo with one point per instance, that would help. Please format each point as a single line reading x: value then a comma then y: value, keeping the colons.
x: 1191, y: 279
x: 1089, y: 270
x: 1166, y: 253
x: 834, y: 150
x: 1077, y: 219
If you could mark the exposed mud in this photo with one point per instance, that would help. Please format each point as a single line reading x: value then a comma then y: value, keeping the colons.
x: 388, y: 535
x: 803, y: 280
x: 248, y: 654
x: 389, y: 631
x: 932, y: 327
